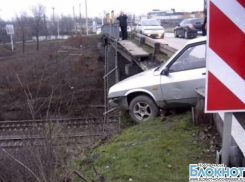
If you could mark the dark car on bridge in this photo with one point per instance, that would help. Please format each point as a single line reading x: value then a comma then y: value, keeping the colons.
x: 189, y: 28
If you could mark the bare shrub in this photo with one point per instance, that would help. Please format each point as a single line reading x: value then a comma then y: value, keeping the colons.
x: 77, y: 83
x: 84, y: 41
x: 47, y: 86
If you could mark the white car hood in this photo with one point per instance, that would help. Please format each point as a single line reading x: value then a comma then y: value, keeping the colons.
x: 138, y: 81
x: 152, y: 27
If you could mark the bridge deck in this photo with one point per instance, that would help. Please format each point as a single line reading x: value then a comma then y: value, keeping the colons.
x: 133, y: 49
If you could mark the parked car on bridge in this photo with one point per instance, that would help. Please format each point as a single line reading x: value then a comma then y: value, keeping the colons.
x: 189, y: 28
x: 171, y: 85
x: 150, y: 28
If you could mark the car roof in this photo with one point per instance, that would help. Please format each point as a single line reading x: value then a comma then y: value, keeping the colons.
x: 194, y: 19
x: 196, y: 40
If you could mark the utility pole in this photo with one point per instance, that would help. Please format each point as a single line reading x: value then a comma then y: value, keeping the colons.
x: 0, y: 14
x: 80, y: 13
x: 58, y: 28
x: 74, y: 18
x: 53, y: 14
x: 53, y: 23
x: 80, y: 20
x: 86, y: 17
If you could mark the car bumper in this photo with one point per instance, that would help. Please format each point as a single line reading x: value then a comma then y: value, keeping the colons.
x: 192, y: 33
x: 154, y: 34
x: 120, y: 102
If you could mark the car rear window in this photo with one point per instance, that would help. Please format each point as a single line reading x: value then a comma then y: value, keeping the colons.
x: 185, y: 22
x: 198, y: 21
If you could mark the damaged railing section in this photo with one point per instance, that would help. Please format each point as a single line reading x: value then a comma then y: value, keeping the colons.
x: 111, y: 77
x: 111, y: 30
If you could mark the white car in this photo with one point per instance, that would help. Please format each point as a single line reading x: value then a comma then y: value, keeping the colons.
x: 150, y: 28
x: 170, y: 85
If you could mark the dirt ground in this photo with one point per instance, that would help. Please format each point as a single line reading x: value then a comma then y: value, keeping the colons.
x: 62, y: 79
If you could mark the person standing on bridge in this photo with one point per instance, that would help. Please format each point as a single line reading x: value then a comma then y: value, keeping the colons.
x: 123, y: 25
x: 204, y: 26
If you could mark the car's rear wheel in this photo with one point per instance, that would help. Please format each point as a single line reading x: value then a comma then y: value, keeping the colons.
x: 142, y: 108
x: 175, y: 34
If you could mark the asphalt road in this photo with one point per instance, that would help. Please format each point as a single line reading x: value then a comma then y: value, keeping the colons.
x: 169, y: 39
x: 176, y: 43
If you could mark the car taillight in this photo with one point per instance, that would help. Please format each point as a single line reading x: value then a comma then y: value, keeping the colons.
x: 191, y: 26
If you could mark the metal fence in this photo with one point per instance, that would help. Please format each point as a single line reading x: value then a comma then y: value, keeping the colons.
x: 111, y: 30
x: 111, y: 77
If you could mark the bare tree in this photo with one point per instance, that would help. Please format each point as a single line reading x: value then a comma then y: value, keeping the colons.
x: 3, y: 35
x: 22, y: 28
x: 38, y: 13
x: 66, y: 25
x: 45, y: 26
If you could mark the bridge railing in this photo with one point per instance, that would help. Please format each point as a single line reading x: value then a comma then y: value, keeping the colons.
x: 111, y: 30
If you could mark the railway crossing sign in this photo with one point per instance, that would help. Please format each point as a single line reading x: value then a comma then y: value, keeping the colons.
x: 225, y: 84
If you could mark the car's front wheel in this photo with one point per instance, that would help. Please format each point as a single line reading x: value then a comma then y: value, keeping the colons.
x: 175, y: 34
x: 142, y: 108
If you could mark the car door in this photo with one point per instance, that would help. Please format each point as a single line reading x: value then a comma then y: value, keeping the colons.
x: 181, y: 28
x: 186, y: 74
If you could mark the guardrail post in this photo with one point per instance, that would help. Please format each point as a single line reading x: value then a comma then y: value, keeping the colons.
x: 157, y: 48
x: 132, y: 35
x: 141, y: 41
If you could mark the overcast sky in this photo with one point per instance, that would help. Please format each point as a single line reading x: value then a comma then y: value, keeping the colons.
x: 9, y: 8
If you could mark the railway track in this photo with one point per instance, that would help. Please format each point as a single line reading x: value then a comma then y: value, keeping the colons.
x: 28, y: 124
x: 16, y: 142
x: 16, y: 134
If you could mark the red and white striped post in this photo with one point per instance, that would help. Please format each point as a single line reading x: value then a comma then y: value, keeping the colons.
x: 225, y: 87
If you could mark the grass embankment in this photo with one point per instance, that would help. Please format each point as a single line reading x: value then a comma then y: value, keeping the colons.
x: 155, y: 151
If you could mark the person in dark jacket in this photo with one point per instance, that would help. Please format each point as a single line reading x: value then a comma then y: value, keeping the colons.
x: 123, y: 25
x: 204, y: 26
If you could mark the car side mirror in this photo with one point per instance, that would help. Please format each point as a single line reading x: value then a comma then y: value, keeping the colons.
x: 165, y: 71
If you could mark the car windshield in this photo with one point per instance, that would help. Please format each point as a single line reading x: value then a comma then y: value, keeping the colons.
x: 150, y: 23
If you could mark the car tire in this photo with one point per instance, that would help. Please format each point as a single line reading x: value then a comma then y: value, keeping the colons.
x: 143, y: 108
x: 162, y: 36
x: 175, y: 34
x: 186, y: 35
